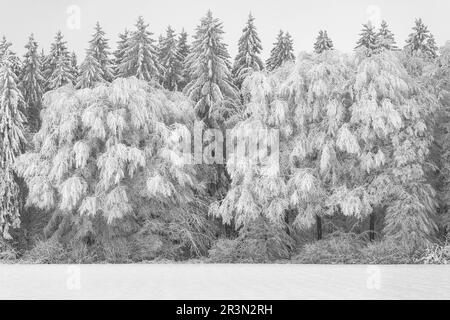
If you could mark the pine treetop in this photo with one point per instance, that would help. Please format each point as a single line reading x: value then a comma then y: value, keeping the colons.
x: 100, y: 49
x: 386, y: 37
x: 421, y: 40
x: 368, y: 41
x: 323, y: 42
x: 249, y: 49
x: 140, y: 55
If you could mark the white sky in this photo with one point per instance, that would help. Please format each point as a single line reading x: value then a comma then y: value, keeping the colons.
x: 303, y: 19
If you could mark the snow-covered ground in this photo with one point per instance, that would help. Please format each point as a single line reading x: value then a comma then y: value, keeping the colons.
x: 200, y: 281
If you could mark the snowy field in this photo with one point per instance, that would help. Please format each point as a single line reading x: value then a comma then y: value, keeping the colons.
x: 223, y: 282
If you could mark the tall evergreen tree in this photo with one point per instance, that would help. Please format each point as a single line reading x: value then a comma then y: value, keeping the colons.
x: 32, y: 82
x: 210, y: 70
x: 282, y: 51
x: 386, y: 37
x: 12, y: 140
x: 140, y: 57
x: 183, y: 51
x: 249, y: 50
x: 5, y: 47
x: 99, y: 48
x: 323, y: 42
x: 90, y: 72
x: 171, y: 61
x: 59, y: 69
x: 120, y: 51
x: 368, y: 41
x: 421, y: 40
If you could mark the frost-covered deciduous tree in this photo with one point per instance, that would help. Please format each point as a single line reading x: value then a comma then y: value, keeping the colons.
x: 323, y: 148
x: 210, y: 86
x: 12, y: 138
x: 257, y: 195
x: 386, y: 37
x: 249, y: 50
x: 171, y: 61
x: 32, y: 83
x: 421, y: 40
x: 282, y: 52
x: 110, y: 153
x: 140, y: 57
x: 323, y: 42
x: 390, y: 118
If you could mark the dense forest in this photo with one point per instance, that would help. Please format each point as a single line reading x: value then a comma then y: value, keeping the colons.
x: 90, y: 174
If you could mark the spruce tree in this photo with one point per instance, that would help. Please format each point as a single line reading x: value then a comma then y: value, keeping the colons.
x: 210, y: 70
x: 140, y: 57
x: 74, y: 66
x: 170, y: 61
x: 281, y: 52
x: 32, y: 83
x: 99, y: 48
x: 368, y: 41
x: 421, y: 40
x: 5, y: 47
x: 386, y: 37
x: 323, y: 42
x: 249, y: 50
x: 120, y: 51
x: 59, y: 64
x: 183, y: 51
x: 90, y: 72
x: 12, y: 141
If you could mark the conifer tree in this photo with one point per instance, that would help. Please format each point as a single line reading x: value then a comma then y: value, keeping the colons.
x: 32, y: 83
x: 120, y: 51
x: 281, y: 52
x: 368, y: 41
x: 90, y: 72
x: 386, y: 37
x: 59, y: 64
x: 183, y: 51
x: 323, y: 42
x: 249, y: 50
x: 421, y: 40
x: 140, y: 58
x: 99, y: 48
x: 170, y: 61
x: 210, y: 71
x: 12, y: 141
x: 5, y: 47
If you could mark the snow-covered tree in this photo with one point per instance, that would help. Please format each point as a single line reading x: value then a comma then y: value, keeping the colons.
x: 99, y: 48
x: 369, y: 41
x: 110, y: 153
x: 12, y: 140
x: 421, y: 40
x: 323, y: 148
x: 140, y: 57
x: 5, y: 47
x: 171, y: 61
x: 183, y: 51
x: 211, y: 86
x: 249, y: 50
x: 90, y: 72
x: 282, y: 51
x: 120, y: 51
x: 323, y: 42
x: 32, y: 83
x: 59, y: 69
x: 386, y: 37
x: 389, y: 117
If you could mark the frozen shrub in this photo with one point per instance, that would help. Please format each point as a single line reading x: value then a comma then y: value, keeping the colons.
x: 47, y: 252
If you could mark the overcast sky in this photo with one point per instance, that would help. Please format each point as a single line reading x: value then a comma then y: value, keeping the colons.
x: 303, y: 19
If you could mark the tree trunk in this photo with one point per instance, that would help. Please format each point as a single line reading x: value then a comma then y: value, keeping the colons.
x: 319, y: 227
x: 372, y: 226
